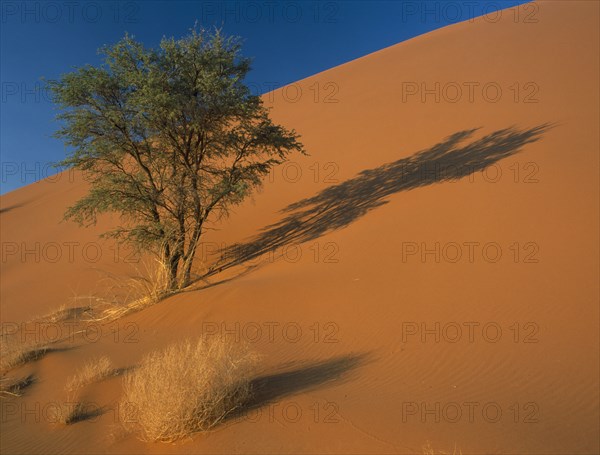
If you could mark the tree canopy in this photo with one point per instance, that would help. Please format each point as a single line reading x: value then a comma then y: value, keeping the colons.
x: 170, y: 138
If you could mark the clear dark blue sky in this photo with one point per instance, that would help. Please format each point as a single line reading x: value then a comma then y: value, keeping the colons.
x: 289, y: 40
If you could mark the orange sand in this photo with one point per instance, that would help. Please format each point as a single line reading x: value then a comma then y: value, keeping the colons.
x: 416, y: 342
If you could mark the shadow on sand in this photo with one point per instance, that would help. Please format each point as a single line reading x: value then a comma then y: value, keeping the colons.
x: 10, y: 208
x: 303, y: 378
x: 340, y: 205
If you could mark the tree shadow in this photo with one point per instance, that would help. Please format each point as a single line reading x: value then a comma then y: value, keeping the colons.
x: 205, y: 284
x: 339, y: 205
x: 302, y: 378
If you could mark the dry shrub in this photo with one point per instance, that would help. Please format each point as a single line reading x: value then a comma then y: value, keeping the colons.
x: 149, y: 285
x: 21, y: 356
x: 127, y: 295
x: 14, y: 353
x: 121, y: 296
x: 187, y: 387
x: 93, y: 371
x: 64, y: 313
x: 15, y: 387
x: 428, y: 450
x: 55, y: 316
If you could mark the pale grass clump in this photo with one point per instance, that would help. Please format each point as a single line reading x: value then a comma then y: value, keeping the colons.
x: 428, y: 450
x: 15, y: 386
x: 122, y: 296
x: 64, y: 313
x: 21, y: 356
x: 94, y: 370
x: 187, y: 387
x: 150, y: 285
x: 14, y: 353
x: 54, y: 316
x: 147, y: 287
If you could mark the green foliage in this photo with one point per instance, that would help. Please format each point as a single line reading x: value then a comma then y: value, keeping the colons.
x: 170, y: 138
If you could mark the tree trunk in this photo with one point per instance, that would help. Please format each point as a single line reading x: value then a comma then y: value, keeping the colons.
x: 187, y: 267
x: 173, y: 266
x: 187, y: 273
x: 171, y: 263
x: 189, y: 257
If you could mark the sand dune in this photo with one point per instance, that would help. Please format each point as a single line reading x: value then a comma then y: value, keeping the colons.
x: 428, y: 274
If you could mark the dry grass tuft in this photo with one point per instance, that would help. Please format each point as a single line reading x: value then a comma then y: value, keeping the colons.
x: 93, y: 371
x: 13, y: 353
x: 147, y: 287
x: 57, y: 315
x: 187, y: 387
x: 122, y: 296
x: 428, y: 450
x: 64, y: 313
x: 14, y: 387
x: 18, y: 347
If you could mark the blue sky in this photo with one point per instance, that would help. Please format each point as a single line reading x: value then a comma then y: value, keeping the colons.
x: 288, y: 41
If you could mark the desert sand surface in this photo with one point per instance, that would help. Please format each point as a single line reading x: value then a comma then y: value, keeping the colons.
x: 428, y: 275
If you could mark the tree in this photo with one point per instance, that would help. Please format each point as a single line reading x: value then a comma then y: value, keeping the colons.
x: 170, y: 138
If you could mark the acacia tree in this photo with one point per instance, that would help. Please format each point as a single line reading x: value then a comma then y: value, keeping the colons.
x: 169, y: 138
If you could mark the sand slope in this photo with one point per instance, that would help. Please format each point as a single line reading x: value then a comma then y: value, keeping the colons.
x: 437, y: 280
